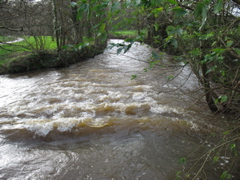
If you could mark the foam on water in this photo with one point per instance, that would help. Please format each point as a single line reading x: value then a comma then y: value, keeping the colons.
x: 64, y: 118
x: 91, y: 121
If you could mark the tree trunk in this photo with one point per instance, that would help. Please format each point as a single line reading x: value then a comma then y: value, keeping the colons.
x: 55, y: 24
x: 209, y: 94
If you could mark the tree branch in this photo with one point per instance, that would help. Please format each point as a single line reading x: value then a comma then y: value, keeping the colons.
x: 185, y: 7
x: 236, y: 1
x: 11, y: 29
x: 233, y: 53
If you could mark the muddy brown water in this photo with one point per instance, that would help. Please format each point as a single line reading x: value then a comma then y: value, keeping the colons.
x: 91, y: 121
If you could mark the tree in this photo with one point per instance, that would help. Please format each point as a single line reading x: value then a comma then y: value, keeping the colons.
x: 205, y: 34
x: 80, y: 22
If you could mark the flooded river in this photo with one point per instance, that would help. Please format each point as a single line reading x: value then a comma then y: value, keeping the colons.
x: 91, y: 121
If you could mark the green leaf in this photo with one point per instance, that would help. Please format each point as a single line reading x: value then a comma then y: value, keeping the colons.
x: 204, y: 16
x: 225, y: 175
x: 182, y: 160
x: 145, y: 69
x: 201, y: 11
x: 174, y: 30
x: 174, y: 42
x: 216, y: 158
x: 152, y: 64
x: 156, y: 26
x: 233, y: 147
x: 237, y: 50
x: 223, y: 73
x: 67, y: 46
x: 126, y: 48
x: 119, y: 50
x: 172, y: 2
x: 229, y: 43
x: 198, y: 9
x: 218, y: 51
x: 226, y: 132
x: 155, y: 55
x: 134, y: 77
x: 102, y: 27
x: 211, y: 69
x: 178, y: 175
x: 196, y: 52
x: 206, y: 36
x: 157, y: 11
x: 155, y: 2
x: 223, y: 98
x: 179, y: 11
x: 170, y: 77
x: 218, y: 6
x: 104, y: 36
x: 115, y: 6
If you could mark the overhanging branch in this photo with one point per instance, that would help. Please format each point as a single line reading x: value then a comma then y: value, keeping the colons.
x: 236, y: 1
x: 11, y: 29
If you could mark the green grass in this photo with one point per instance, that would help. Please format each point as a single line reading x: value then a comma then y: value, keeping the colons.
x: 29, y: 44
x: 34, y: 43
x: 129, y: 34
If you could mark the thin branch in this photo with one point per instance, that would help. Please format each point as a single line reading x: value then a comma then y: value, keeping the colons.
x: 11, y: 29
x: 203, y: 164
x: 236, y: 1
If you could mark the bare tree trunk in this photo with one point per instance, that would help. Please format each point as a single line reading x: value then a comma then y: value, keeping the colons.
x: 55, y: 24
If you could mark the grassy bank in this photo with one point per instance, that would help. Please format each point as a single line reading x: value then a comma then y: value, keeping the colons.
x: 29, y: 43
x: 9, y: 52
x: 47, y: 59
x: 39, y: 53
x: 124, y: 34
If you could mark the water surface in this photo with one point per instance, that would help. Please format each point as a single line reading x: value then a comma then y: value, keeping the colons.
x: 91, y: 121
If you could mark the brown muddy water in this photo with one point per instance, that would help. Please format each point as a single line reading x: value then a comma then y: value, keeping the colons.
x: 91, y: 121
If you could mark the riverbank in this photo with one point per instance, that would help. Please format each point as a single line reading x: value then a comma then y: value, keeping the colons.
x: 18, y: 57
x: 28, y: 61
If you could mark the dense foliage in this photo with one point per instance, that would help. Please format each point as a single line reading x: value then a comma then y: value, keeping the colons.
x: 204, y: 34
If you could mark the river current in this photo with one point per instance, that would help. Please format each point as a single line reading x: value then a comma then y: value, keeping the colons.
x: 93, y: 121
